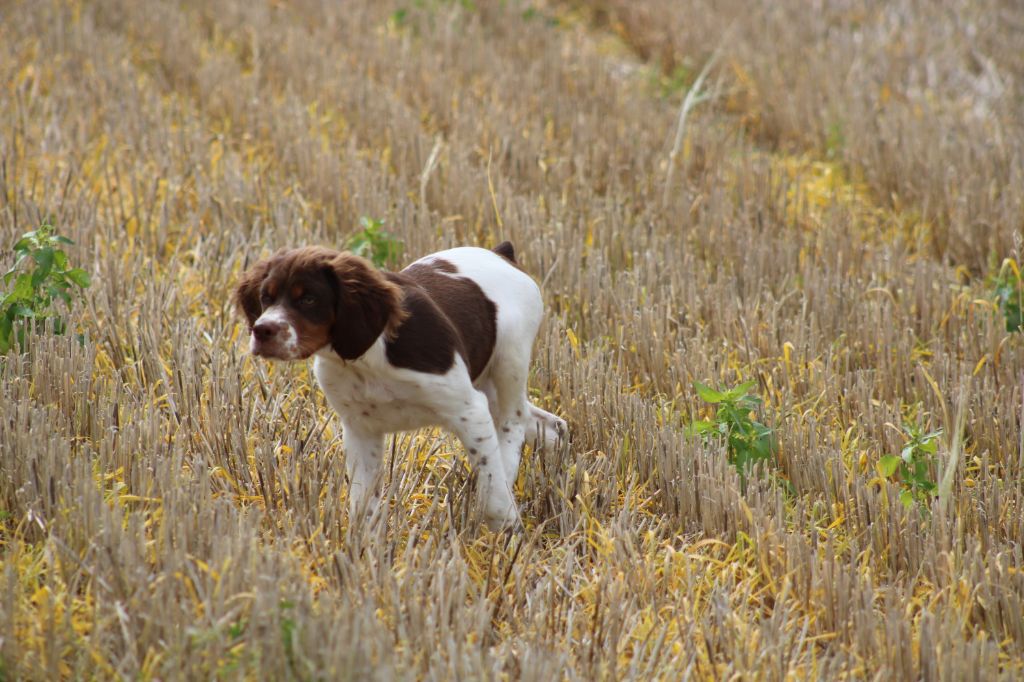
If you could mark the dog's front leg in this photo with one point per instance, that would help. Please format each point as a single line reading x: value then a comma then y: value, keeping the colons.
x: 364, y: 451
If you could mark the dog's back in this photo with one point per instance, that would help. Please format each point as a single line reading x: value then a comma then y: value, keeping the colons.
x: 505, y: 305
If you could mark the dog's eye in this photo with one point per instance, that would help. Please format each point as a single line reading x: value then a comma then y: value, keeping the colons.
x: 307, y: 301
x: 266, y: 299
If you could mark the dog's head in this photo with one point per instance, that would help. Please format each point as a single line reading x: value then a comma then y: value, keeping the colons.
x: 301, y: 300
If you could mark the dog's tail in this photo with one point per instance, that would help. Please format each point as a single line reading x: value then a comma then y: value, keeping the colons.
x: 506, y: 250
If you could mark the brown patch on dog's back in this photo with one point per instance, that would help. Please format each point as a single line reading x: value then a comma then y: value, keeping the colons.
x: 448, y: 314
x: 426, y: 341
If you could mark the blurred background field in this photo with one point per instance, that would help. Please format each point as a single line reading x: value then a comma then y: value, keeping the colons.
x: 837, y: 218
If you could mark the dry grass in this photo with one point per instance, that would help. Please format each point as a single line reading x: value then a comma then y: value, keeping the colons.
x: 173, y: 509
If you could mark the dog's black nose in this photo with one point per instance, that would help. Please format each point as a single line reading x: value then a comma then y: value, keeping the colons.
x: 264, y: 331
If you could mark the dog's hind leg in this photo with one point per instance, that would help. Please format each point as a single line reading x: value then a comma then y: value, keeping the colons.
x: 474, y: 426
x: 545, y: 428
x: 512, y: 416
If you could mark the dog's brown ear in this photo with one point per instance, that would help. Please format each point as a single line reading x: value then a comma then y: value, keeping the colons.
x: 368, y: 305
x: 506, y: 251
x: 247, y: 292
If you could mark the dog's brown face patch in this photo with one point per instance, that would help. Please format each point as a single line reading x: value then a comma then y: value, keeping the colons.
x: 296, y: 286
x: 312, y: 303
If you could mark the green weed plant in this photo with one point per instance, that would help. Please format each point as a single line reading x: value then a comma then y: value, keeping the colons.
x: 1008, y: 286
x: 915, y: 465
x: 748, y: 440
x: 374, y: 244
x: 39, y: 280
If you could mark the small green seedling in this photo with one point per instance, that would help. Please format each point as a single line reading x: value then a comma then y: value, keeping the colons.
x: 749, y: 441
x: 288, y: 631
x: 399, y: 16
x: 914, y: 464
x: 1009, y: 292
x: 675, y: 82
x: 374, y: 244
x: 40, y: 277
x: 531, y: 13
x: 835, y: 141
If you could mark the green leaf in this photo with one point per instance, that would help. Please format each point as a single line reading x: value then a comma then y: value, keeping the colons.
x: 6, y: 330
x: 22, y: 290
x: 728, y: 413
x: 888, y: 465
x: 59, y: 291
x: 1014, y: 318
x: 237, y: 629
x: 43, y: 256
x: 61, y: 239
x: 741, y: 391
x: 79, y: 277
x: 26, y: 241
x: 369, y: 224
x: 762, y: 448
x: 747, y: 402
x: 700, y: 428
x: 14, y: 268
x: 19, y: 310
x: 44, y: 264
x: 907, y: 498
x: 708, y: 394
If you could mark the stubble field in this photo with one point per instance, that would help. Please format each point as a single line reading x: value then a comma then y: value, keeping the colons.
x: 827, y: 221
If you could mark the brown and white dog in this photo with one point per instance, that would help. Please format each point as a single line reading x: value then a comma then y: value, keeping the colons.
x: 445, y: 342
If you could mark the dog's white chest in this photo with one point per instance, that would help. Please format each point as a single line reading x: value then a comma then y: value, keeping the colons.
x: 353, y: 387
x: 378, y: 402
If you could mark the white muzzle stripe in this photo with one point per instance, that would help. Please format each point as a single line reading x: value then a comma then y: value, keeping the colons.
x: 275, y: 314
